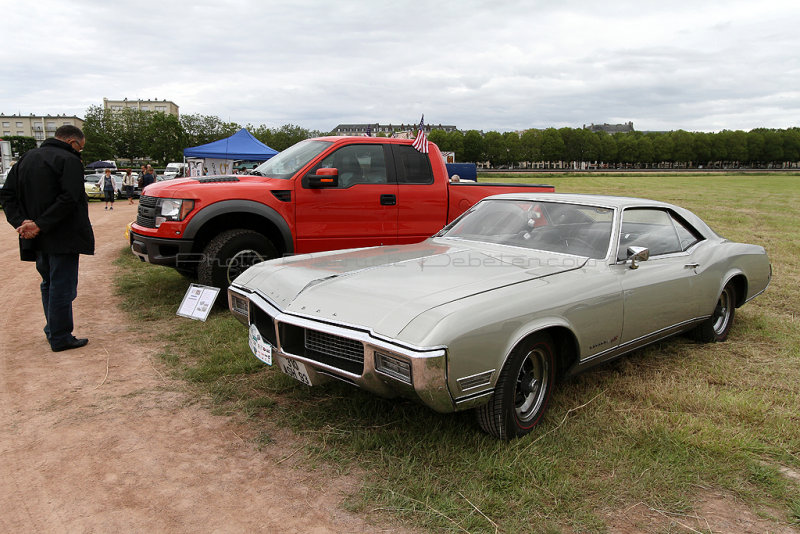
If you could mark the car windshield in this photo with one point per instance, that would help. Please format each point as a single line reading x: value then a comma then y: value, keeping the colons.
x: 285, y: 164
x: 550, y: 226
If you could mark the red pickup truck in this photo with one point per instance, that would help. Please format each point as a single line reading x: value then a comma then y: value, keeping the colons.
x: 321, y: 194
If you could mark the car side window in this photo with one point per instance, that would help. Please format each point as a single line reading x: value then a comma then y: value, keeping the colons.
x: 357, y: 164
x: 413, y: 167
x: 656, y: 229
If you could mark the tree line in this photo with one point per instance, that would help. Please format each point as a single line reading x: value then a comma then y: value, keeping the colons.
x: 760, y: 147
x: 138, y: 136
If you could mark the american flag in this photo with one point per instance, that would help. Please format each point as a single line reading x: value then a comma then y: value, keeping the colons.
x: 368, y: 133
x: 421, y: 141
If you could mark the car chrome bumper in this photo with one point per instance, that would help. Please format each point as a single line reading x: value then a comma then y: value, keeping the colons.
x: 354, y: 356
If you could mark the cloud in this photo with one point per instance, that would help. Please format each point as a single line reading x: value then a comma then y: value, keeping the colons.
x: 504, y: 65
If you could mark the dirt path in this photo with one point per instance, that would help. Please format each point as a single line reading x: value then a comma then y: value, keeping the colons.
x: 98, y: 440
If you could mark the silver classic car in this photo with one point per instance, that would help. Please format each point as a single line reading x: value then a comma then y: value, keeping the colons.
x: 487, y: 314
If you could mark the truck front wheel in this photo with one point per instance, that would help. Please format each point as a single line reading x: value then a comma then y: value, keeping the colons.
x: 230, y: 253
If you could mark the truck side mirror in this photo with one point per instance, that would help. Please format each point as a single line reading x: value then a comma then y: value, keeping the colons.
x: 323, y: 178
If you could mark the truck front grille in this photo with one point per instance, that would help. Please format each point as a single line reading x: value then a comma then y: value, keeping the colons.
x: 146, y: 216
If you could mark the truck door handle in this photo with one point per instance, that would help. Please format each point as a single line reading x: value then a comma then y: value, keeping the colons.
x: 692, y: 265
x: 388, y: 200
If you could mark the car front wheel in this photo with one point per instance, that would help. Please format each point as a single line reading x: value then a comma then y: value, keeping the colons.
x: 522, y: 392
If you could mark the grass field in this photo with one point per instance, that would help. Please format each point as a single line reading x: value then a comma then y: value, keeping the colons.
x: 660, y: 426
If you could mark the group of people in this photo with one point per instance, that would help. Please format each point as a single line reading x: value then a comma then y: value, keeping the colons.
x: 44, y: 199
x: 109, y: 186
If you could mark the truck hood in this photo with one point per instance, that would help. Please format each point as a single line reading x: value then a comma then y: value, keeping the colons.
x: 384, y: 288
x: 188, y: 187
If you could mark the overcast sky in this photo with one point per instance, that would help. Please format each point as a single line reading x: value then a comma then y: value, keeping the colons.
x: 487, y: 65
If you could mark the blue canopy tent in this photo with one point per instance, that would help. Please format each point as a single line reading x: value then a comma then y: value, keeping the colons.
x: 240, y: 146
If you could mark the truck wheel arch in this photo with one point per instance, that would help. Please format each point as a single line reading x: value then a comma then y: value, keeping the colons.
x: 197, y: 225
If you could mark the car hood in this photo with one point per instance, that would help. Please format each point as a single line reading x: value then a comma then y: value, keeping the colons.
x: 384, y: 288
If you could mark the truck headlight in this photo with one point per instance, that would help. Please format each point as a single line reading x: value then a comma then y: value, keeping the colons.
x: 172, y: 209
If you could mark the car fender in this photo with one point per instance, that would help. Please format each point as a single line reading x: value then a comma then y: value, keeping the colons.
x: 527, y: 330
x: 226, y: 207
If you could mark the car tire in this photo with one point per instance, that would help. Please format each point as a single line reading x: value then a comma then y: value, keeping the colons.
x: 230, y: 253
x: 523, y: 390
x: 716, y: 328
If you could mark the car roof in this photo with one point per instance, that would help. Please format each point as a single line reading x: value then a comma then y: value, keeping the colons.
x: 575, y: 198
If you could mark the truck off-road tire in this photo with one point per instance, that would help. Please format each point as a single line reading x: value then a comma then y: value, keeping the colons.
x: 716, y: 328
x: 522, y: 392
x: 229, y: 254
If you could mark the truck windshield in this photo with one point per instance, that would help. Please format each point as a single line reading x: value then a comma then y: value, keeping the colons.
x: 285, y: 164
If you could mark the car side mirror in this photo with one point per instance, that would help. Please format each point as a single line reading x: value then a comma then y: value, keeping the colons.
x: 323, y: 178
x: 638, y: 254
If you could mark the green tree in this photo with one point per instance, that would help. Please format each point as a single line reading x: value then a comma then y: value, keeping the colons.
x: 607, y: 147
x: 473, y: 146
x: 701, y: 146
x: 20, y: 144
x: 627, y: 148
x: 645, y: 149
x: 494, y: 148
x: 662, y: 147
x: 755, y: 146
x: 682, y: 147
x: 438, y: 137
x: 129, y: 130
x: 455, y: 143
x: 791, y: 144
x: 97, y: 128
x: 531, y: 145
x: 165, y: 141
x: 553, y: 148
x: 513, y: 148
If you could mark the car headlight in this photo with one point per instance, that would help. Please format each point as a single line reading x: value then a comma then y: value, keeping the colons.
x: 172, y: 209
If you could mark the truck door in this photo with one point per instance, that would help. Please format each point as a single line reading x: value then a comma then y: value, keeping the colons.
x: 421, y: 203
x: 360, y: 212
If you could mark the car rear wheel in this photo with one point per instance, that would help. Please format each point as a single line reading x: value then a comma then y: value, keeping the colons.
x: 716, y: 327
x: 522, y: 392
x: 230, y: 253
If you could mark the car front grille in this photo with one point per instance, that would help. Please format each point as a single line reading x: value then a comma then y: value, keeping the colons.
x: 146, y: 217
x: 336, y: 346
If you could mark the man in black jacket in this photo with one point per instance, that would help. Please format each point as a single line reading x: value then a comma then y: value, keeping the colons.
x: 44, y: 199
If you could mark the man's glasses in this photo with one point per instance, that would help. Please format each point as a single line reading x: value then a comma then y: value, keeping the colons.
x: 80, y: 146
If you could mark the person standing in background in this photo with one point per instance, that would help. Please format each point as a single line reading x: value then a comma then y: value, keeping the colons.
x: 109, y: 188
x: 149, y: 177
x: 45, y: 201
x: 127, y: 184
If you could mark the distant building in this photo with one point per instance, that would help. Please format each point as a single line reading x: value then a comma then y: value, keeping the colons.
x: 610, y: 128
x: 164, y: 106
x: 40, y: 127
x: 387, y: 129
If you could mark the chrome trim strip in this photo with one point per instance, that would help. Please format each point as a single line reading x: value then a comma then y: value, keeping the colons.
x: 646, y: 339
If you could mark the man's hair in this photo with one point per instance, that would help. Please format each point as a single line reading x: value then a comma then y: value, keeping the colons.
x: 69, y: 131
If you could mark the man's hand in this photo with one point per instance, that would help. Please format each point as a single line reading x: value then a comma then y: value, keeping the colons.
x: 28, y: 229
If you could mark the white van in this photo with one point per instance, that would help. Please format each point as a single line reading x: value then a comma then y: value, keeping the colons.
x: 174, y: 169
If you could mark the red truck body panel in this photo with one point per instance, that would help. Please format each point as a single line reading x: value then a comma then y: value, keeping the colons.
x: 396, y: 196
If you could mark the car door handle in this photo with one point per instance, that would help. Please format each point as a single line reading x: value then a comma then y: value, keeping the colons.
x: 692, y: 265
x: 388, y: 200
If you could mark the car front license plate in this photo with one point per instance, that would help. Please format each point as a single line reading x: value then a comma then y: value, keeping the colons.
x: 261, y: 349
x: 294, y: 369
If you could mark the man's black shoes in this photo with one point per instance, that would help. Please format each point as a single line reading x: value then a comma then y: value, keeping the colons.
x: 74, y: 343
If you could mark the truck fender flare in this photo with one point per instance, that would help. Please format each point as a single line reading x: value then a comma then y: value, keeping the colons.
x: 240, y: 206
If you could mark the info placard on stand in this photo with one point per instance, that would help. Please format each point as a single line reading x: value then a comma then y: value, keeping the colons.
x: 198, y: 301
